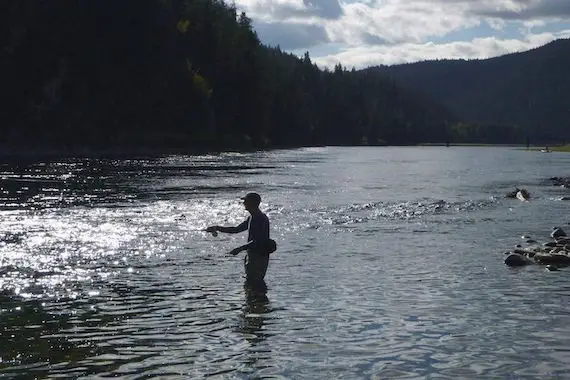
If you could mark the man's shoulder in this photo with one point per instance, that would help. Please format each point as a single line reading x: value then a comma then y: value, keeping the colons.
x: 261, y: 215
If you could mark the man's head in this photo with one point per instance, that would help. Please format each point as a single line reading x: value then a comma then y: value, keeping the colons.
x: 251, y: 201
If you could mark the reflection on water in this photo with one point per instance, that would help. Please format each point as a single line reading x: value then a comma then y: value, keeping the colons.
x: 389, y: 266
x: 255, y: 314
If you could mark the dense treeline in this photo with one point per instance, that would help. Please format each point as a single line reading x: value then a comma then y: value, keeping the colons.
x: 528, y: 92
x: 184, y: 74
x: 486, y: 134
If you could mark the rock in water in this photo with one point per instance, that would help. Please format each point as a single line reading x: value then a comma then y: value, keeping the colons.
x: 523, y: 195
x: 552, y: 259
x: 516, y: 260
x: 557, y: 232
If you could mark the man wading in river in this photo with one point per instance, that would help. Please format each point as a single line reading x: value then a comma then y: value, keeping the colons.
x: 257, y: 224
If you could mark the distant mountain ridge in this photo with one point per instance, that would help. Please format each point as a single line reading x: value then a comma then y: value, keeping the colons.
x: 529, y: 89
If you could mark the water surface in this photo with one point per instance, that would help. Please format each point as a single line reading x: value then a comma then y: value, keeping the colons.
x: 389, y: 265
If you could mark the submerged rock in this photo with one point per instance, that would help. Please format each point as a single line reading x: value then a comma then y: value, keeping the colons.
x: 520, y: 194
x: 552, y: 258
x: 523, y: 195
x: 554, y: 254
x: 557, y: 233
x: 517, y: 260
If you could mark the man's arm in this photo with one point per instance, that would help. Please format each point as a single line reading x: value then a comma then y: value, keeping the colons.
x: 250, y: 244
x: 237, y: 250
x: 229, y: 230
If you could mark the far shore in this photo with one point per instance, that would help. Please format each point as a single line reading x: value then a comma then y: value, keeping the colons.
x: 553, y: 148
x: 562, y: 148
x: 474, y: 144
x: 8, y: 152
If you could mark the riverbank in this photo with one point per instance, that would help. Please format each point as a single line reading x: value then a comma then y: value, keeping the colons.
x: 117, y: 151
x: 473, y: 144
x: 562, y: 148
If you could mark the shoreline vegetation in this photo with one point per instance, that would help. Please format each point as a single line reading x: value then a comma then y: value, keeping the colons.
x: 561, y: 148
x: 537, y: 148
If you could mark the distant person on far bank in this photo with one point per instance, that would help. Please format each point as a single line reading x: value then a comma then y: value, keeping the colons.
x: 259, y: 244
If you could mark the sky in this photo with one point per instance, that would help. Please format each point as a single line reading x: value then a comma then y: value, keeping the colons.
x: 363, y: 33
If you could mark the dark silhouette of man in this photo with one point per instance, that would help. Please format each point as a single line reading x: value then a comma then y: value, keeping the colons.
x: 257, y: 225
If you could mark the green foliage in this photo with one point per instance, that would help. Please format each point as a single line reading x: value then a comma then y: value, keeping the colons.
x: 562, y: 148
x: 183, y: 26
x: 201, y: 84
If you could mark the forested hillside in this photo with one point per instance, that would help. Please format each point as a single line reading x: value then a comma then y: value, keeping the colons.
x: 183, y: 74
x: 529, y: 90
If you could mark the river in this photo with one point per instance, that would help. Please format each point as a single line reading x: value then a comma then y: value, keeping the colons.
x: 389, y: 265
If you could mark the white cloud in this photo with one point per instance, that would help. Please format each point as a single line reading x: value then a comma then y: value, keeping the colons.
x: 478, y: 48
x: 290, y: 35
x: 290, y: 10
x: 398, y: 22
x: 393, y: 31
x: 495, y: 23
x: 529, y: 10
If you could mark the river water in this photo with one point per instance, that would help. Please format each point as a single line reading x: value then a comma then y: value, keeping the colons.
x: 389, y: 265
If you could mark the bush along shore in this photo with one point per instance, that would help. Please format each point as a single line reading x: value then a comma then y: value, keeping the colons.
x: 553, y: 254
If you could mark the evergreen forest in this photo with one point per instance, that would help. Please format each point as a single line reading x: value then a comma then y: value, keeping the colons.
x: 193, y: 74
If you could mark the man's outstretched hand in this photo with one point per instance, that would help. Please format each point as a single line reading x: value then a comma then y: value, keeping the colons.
x: 213, y: 230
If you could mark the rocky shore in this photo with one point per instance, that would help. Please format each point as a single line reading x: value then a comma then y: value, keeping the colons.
x: 553, y: 254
